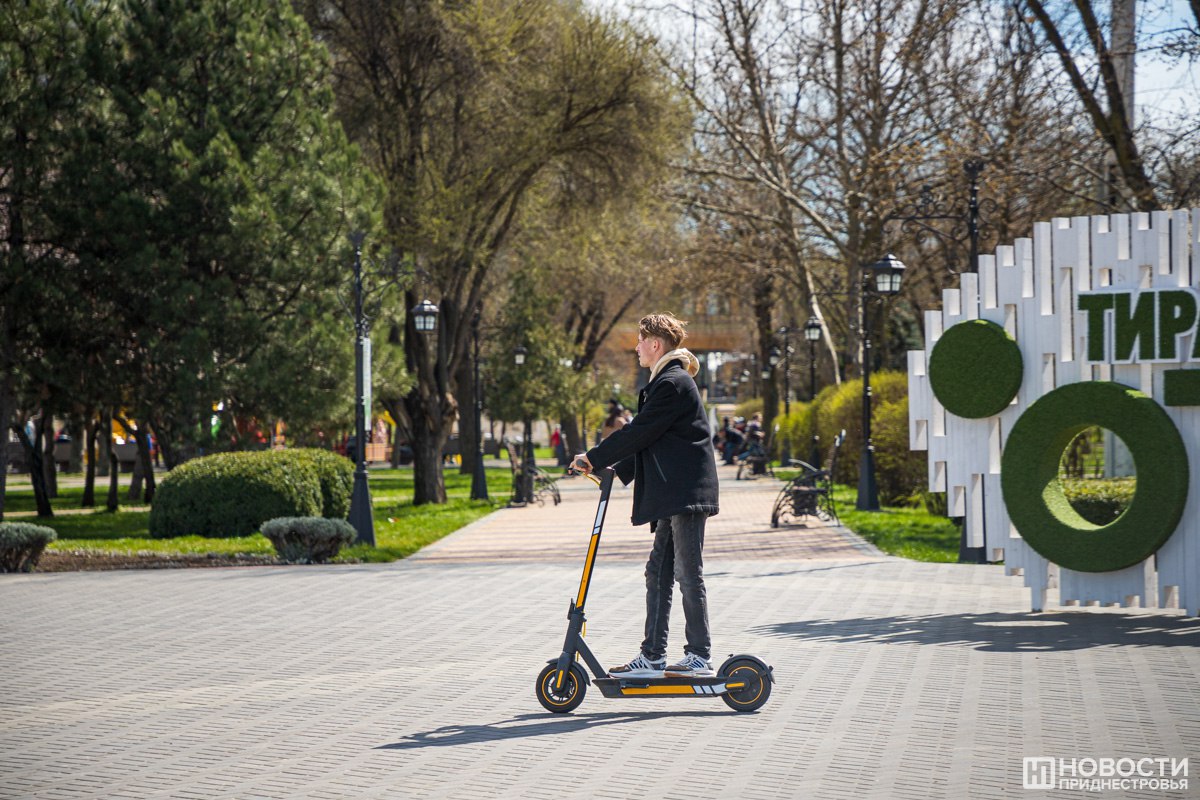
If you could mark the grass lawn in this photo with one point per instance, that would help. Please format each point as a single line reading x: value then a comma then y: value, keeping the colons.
x: 400, y: 528
x: 906, y: 532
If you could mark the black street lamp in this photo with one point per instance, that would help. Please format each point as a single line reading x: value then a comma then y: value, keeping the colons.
x: 362, y: 517
x: 927, y: 208
x: 785, y: 357
x: 479, y: 489
x: 812, y: 333
x: 885, y: 274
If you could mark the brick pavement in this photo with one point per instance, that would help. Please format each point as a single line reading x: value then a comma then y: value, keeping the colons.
x: 415, y: 680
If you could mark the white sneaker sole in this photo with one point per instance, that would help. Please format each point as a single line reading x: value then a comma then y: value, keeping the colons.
x: 638, y: 673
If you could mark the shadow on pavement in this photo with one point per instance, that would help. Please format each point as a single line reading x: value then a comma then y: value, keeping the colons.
x: 533, y: 725
x: 1001, y: 633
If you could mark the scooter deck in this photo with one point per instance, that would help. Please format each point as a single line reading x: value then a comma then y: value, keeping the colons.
x: 696, y: 686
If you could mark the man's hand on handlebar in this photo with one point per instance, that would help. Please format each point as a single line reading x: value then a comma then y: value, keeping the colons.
x: 581, y: 464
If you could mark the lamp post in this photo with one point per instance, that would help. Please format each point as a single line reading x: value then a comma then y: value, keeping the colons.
x: 362, y: 517
x: 887, y: 273
x: 812, y: 333
x: 927, y: 207
x: 785, y: 356
x: 479, y: 489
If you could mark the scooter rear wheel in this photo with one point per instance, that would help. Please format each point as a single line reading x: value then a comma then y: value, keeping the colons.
x: 756, y: 676
x: 560, y: 700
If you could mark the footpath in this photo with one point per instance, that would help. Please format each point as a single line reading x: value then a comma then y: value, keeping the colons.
x: 895, y: 679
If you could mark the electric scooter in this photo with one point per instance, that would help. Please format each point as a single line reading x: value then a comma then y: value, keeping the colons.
x: 743, y: 681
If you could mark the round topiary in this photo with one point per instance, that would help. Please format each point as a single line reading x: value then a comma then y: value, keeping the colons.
x: 336, y: 476
x: 233, y: 494
x: 1034, y: 495
x: 308, y: 540
x: 975, y: 369
x: 22, y: 544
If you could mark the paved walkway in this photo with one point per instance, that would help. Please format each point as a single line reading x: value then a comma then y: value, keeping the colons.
x: 415, y: 680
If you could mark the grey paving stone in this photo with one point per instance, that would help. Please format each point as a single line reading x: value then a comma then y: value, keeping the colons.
x: 415, y: 680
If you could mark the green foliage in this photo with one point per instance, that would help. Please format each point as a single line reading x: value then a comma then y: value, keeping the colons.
x: 308, y: 540
x: 545, y: 383
x: 232, y: 494
x: 1033, y: 488
x: 336, y: 476
x: 21, y: 545
x: 749, y: 408
x: 209, y: 190
x: 975, y: 369
x: 1100, y: 501
x: 899, y: 471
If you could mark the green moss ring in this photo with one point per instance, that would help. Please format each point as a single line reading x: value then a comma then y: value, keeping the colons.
x: 1035, y: 500
x: 975, y: 369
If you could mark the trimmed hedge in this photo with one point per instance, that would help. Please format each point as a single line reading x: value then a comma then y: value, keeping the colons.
x: 233, y: 494
x: 308, y: 540
x: 899, y: 471
x: 22, y: 544
x: 1099, y: 501
x: 336, y: 475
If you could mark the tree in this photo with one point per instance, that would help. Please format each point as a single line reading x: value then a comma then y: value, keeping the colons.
x: 212, y: 190
x: 465, y: 110
x: 45, y: 85
x: 1102, y: 83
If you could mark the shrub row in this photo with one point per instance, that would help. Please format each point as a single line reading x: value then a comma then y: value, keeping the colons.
x: 21, y: 545
x: 1099, y: 501
x: 899, y: 472
x: 233, y: 494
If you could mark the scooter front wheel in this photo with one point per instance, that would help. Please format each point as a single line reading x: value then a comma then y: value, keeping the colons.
x: 562, y: 699
x: 755, y: 677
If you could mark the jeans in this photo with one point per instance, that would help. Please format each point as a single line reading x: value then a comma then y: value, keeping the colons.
x: 677, y: 555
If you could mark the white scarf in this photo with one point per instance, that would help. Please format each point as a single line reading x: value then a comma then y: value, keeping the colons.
x: 690, y: 362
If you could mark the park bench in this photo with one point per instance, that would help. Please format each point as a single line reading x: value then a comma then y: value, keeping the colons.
x: 809, y: 494
x: 756, y: 460
x: 543, y: 485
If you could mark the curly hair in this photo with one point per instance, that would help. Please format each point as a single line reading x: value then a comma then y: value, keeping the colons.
x: 665, y: 326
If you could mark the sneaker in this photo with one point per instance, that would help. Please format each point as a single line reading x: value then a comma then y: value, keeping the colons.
x: 691, y: 665
x: 640, y: 667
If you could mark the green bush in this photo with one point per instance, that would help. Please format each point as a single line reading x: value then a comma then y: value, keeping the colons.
x: 21, y: 545
x: 233, y: 494
x: 899, y: 471
x: 1099, y: 501
x: 308, y: 540
x: 336, y: 474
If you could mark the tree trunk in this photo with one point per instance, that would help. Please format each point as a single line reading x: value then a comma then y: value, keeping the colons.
x: 75, y: 459
x: 103, y: 446
x: 146, y: 459
x: 467, y: 436
x: 572, y: 435
x: 428, y: 484
x: 49, y: 465
x: 6, y: 412
x: 114, y: 467
x: 764, y: 301
x: 91, y: 431
x: 134, y: 495
x: 33, y: 457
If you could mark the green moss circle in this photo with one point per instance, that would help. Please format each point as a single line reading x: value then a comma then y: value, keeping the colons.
x: 975, y: 369
x: 1035, y: 500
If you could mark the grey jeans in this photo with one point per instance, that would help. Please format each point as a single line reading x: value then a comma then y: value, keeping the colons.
x: 677, y: 555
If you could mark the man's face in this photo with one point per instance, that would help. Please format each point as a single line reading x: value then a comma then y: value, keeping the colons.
x: 649, y: 350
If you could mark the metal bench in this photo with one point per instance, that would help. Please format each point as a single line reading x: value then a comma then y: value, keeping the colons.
x: 543, y: 485
x: 809, y: 494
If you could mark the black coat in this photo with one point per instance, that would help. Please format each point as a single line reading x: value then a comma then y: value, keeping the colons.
x: 666, y: 450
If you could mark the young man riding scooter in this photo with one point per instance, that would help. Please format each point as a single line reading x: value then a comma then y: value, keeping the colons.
x: 667, y: 452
